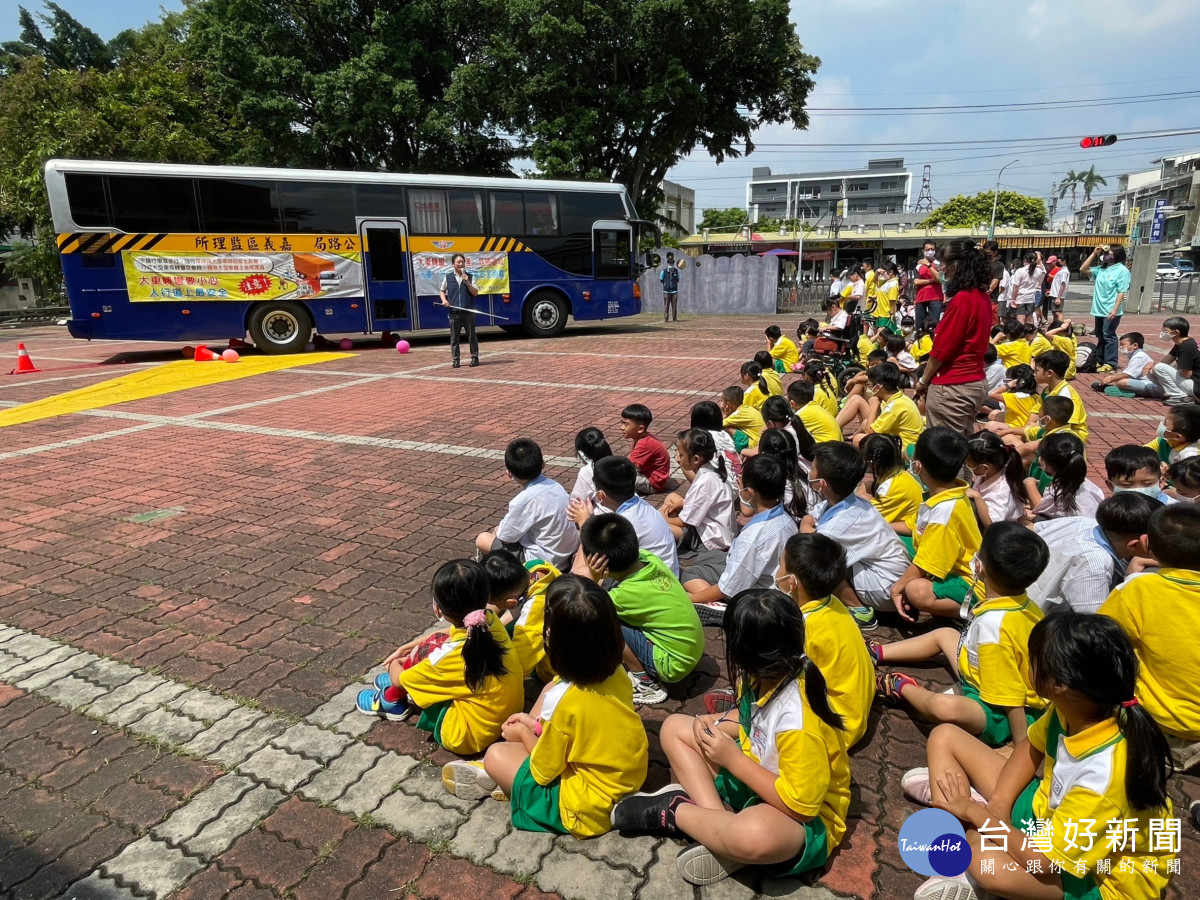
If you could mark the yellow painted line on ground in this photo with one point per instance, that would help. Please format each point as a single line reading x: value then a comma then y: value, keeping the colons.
x: 164, y: 379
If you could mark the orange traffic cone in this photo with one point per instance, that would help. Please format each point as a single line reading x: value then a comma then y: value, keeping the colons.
x: 203, y: 354
x: 24, y: 363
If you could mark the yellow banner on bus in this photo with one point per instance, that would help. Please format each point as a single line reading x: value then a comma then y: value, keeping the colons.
x: 488, y: 269
x: 172, y: 276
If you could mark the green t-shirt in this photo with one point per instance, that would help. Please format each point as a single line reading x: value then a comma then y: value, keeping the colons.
x: 654, y: 602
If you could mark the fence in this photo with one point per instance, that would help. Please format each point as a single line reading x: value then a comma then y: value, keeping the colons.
x: 1181, y: 295
x: 717, y: 284
x: 35, y: 314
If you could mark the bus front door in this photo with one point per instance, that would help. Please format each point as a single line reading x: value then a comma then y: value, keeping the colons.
x: 388, y: 276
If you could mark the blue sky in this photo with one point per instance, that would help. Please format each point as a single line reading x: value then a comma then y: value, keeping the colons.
x: 910, y: 54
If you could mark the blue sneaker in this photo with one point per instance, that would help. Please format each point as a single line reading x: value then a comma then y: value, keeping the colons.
x: 370, y: 702
x: 382, y: 682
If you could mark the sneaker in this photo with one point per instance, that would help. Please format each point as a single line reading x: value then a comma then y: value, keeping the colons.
x: 646, y: 690
x: 916, y: 787
x: 468, y: 780
x: 1194, y: 809
x: 711, y: 613
x: 382, y: 682
x: 370, y: 702
x: 649, y: 813
x: 864, y: 617
x: 699, y: 865
x: 876, y: 650
x: 1104, y: 368
x: 719, y: 701
x: 939, y: 887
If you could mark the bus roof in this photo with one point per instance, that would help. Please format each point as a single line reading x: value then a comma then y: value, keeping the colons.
x: 103, y: 167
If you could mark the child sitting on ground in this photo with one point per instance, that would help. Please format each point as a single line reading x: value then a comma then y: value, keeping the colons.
x: 875, y: 556
x: 806, y: 334
x: 464, y: 686
x: 1061, y: 333
x: 825, y: 393
x: 1160, y: 611
x: 590, y: 446
x: 771, y: 788
x: 900, y: 356
x: 707, y: 416
x: 999, y: 491
x: 742, y: 421
x: 810, y: 570
x: 713, y: 577
x: 767, y: 364
x: 705, y: 517
x: 893, y: 490
x: 1018, y: 400
x: 1014, y: 348
x: 1134, y: 377
x: 1105, y: 761
x: 536, y: 525
x: 1050, y: 370
x: 1055, y: 418
x: 1179, y: 435
x: 996, y: 375
x: 647, y: 452
x: 1184, y: 479
x: 779, y: 416
x: 615, y: 479
x: 1070, y: 493
x: 1134, y: 468
x: 663, y: 637
x: 755, y: 389
x: 820, y: 424
x: 783, y: 351
x: 889, y: 411
x: 946, y: 538
x: 583, y: 747
x: 997, y: 701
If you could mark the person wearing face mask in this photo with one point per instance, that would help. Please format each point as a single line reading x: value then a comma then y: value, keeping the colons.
x: 1178, y: 434
x: 1177, y: 372
x: 954, y: 372
x: 930, y: 297
x: 1184, y: 480
x: 1134, y: 469
x: 1109, y: 291
x: 590, y: 445
x: 1135, y: 375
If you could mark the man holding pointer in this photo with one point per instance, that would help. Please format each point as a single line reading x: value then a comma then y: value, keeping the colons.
x: 459, y: 290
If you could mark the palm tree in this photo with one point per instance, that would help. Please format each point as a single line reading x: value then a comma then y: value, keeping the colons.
x: 1070, y: 183
x: 1089, y: 181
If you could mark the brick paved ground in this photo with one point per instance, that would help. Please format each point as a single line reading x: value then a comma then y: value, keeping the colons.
x: 192, y: 586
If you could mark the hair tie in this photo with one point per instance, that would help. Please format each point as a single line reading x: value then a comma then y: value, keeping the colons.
x: 1126, y: 704
x: 475, y: 619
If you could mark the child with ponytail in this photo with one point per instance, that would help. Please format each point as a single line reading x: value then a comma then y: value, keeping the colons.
x: 464, y: 685
x: 999, y: 491
x: 893, y: 489
x: 781, y: 791
x: 1061, y: 456
x: 704, y: 518
x: 1106, y: 761
x: 767, y: 364
x: 754, y: 385
x: 825, y: 393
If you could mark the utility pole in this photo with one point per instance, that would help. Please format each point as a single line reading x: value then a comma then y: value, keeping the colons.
x: 995, y: 200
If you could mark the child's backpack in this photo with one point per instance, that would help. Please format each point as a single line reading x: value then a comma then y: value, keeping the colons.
x: 1086, y: 358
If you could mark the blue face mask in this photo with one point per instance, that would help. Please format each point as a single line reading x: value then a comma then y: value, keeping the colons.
x: 1150, y: 491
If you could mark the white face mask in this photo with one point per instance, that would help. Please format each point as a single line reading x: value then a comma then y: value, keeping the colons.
x: 930, y: 254
x: 1162, y: 429
x: 1150, y: 491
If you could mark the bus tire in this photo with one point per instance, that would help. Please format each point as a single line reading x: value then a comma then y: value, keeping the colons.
x: 280, y: 326
x: 545, y: 315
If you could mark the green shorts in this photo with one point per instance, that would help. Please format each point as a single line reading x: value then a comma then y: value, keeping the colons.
x: 1043, y: 479
x: 779, y: 367
x: 997, y: 731
x: 431, y: 720
x: 535, y: 806
x: 1074, y: 887
x: 887, y: 322
x: 741, y: 441
x: 952, y: 587
x: 816, y: 841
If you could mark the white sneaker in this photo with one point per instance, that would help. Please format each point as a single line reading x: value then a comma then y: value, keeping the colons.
x: 646, y: 690
x: 916, y: 786
x: 468, y: 780
x: 940, y: 887
x: 699, y: 865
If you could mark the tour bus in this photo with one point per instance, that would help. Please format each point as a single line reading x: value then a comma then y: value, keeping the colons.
x: 165, y: 252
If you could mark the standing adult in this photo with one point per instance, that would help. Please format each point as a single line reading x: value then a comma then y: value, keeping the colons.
x: 459, y: 290
x: 1060, y: 280
x: 669, y: 277
x: 930, y: 298
x: 992, y: 251
x: 954, y: 374
x: 1027, y: 286
x: 1109, y: 290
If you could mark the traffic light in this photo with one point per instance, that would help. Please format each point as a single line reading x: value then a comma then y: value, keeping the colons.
x: 1098, y: 140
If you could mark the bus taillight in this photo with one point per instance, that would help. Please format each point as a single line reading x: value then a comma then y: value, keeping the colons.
x: 505, y: 297
x: 637, y: 291
x: 587, y: 296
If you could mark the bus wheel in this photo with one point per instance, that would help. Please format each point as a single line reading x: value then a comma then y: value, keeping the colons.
x: 280, y: 327
x: 545, y: 315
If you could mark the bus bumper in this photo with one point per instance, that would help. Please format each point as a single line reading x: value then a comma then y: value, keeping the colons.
x: 80, y: 328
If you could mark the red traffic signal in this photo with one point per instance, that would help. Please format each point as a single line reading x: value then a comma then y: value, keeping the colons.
x: 1098, y: 140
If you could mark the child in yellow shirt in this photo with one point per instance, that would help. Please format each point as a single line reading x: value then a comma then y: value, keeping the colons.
x: 1019, y: 400
x: 817, y: 420
x: 893, y: 491
x: 773, y: 379
x: 583, y: 747
x: 755, y: 388
x: 826, y: 392
x: 1014, y: 348
x: 889, y: 411
x: 742, y: 421
x: 783, y: 350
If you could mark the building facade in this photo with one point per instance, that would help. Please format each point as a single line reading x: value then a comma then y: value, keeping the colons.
x: 678, y: 207
x: 881, y: 191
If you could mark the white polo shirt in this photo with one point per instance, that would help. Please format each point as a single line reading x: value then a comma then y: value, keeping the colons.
x: 1083, y: 567
x: 653, y: 532
x: 537, y: 520
x: 585, y: 483
x: 875, y: 556
x: 708, y: 506
x: 1002, y: 504
x: 754, y: 554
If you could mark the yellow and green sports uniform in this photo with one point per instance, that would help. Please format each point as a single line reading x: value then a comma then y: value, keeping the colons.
x: 1018, y: 407
x: 946, y: 540
x: 819, y: 423
x: 827, y: 400
x: 529, y: 645
x: 1013, y: 352
x: 899, y: 416
x: 1079, y: 416
x: 834, y: 642
x: 898, y: 498
x: 784, y: 351
x: 748, y: 423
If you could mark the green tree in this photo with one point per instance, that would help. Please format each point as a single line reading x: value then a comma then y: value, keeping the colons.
x: 1089, y: 181
x: 348, y: 85
x: 71, y: 45
x: 965, y: 212
x: 1069, y: 185
x: 724, y: 219
x: 621, y: 91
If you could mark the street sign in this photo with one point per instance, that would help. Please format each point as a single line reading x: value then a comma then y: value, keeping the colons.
x: 1089, y: 224
x: 1156, y: 225
x: 1132, y: 220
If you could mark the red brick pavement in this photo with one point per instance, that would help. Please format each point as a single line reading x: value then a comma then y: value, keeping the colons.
x: 288, y: 565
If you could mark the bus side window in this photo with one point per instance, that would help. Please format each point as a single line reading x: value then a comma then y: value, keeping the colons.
x: 427, y: 211
x: 466, y: 212
x: 541, y: 213
x: 247, y: 207
x: 508, y: 212
x: 85, y: 193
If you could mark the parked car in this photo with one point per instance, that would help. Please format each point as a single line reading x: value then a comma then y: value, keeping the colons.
x: 1166, y: 272
x: 1184, y: 266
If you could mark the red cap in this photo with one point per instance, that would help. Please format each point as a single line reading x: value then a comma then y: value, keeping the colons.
x: 1052, y: 260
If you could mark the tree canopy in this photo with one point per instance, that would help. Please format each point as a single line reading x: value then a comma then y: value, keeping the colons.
x: 961, y: 211
x: 724, y: 219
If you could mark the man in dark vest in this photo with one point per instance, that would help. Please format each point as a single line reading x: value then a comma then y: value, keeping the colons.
x: 458, y: 289
x: 669, y: 277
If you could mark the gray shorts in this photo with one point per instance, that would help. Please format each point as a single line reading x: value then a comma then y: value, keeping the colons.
x: 708, y: 565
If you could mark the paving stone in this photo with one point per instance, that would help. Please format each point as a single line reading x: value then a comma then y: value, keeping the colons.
x: 73, y: 692
x: 336, y: 707
x: 794, y: 889
x: 40, y: 680
x: 216, y: 837
x: 97, y: 887
x: 312, y: 742
x: 17, y: 672
x: 278, y: 768
x: 479, y: 835
x: 663, y: 881
x: 354, y: 724
x: 425, y: 782
x: 30, y: 646
x: 520, y: 853
x: 203, y: 706
x: 345, y: 865
x: 223, y: 731
x: 236, y: 750
x: 151, y: 867
x: 420, y: 820
x: 400, y: 863
x: 378, y: 782
x: 740, y: 886
x: 307, y: 824
x: 575, y: 877
x: 451, y: 879
x: 119, y: 696
x: 108, y: 673
x: 168, y: 726
x: 268, y: 860
x: 329, y: 784
x: 185, y: 822
x: 634, y: 852
x: 141, y: 706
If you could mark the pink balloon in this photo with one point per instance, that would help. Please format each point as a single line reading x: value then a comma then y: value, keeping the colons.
x: 402, y: 347
x: 346, y: 344
x: 230, y: 355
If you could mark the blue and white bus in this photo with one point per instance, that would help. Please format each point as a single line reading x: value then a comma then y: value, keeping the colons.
x: 167, y: 252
